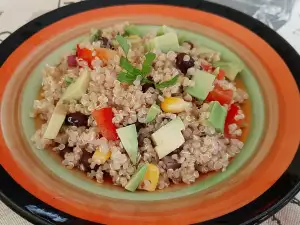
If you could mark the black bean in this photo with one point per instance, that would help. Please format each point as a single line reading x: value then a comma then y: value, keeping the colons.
x: 76, y: 119
x: 171, y: 163
x: 190, y: 44
x: 139, y: 126
x: 146, y: 86
x: 105, y: 42
x: 84, y: 161
x: 182, y: 65
x: 67, y: 149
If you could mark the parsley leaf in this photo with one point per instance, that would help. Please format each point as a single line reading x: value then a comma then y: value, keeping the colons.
x: 126, y: 77
x: 131, y: 73
x: 125, y: 64
x: 123, y: 43
x: 168, y: 83
x: 145, y: 80
x: 95, y: 35
x: 147, y: 64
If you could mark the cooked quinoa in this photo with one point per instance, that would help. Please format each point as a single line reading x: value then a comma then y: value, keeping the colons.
x: 205, y: 148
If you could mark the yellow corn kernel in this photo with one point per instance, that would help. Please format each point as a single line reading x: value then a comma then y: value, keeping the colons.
x: 151, y: 178
x: 174, y: 105
x: 101, y: 157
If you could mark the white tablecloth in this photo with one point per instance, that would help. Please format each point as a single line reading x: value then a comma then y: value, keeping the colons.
x: 281, y: 15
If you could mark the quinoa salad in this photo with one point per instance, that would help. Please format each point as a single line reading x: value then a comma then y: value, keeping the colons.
x: 144, y: 110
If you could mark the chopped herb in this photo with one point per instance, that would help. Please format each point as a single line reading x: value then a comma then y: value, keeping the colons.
x: 147, y: 65
x: 145, y: 80
x: 126, y: 77
x: 95, y: 35
x: 130, y: 73
x: 168, y: 83
x: 126, y: 65
x: 68, y: 81
x: 123, y: 43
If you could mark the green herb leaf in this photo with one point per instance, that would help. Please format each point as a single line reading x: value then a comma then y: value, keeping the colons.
x: 95, y: 35
x: 168, y: 83
x: 125, y: 77
x: 68, y: 81
x: 145, y: 80
x: 147, y: 64
x: 123, y: 43
x: 126, y: 65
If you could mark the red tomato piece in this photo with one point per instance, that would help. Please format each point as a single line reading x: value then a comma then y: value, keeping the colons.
x: 221, y: 75
x: 232, y: 112
x: 230, y: 118
x: 104, y: 122
x: 206, y: 67
x: 85, y: 54
x: 220, y: 95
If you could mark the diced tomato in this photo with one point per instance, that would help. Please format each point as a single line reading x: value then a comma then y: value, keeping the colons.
x: 220, y: 95
x: 87, y: 55
x: 221, y: 75
x: 230, y: 118
x: 206, y: 67
x: 232, y: 112
x: 104, y: 122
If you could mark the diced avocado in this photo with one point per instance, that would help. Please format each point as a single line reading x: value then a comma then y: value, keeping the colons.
x: 78, y: 88
x: 181, y: 39
x: 56, y: 121
x: 133, y: 39
x: 173, y: 141
x: 169, y: 137
x: 159, y: 137
x: 165, y: 43
x: 133, y: 30
x: 203, y: 84
x: 231, y: 69
x: 129, y: 139
x: 217, y: 116
x: 164, y: 30
x: 137, y: 178
x: 152, y: 113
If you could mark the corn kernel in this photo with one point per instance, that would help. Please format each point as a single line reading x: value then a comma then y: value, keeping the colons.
x: 174, y: 105
x: 151, y: 178
x: 101, y: 157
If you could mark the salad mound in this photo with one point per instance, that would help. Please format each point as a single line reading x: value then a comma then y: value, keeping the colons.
x: 146, y: 110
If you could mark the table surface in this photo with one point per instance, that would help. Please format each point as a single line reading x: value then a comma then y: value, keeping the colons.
x: 281, y: 15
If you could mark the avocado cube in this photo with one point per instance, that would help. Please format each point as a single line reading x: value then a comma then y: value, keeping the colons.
x: 152, y: 113
x: 204, y: 82
x: 217, y: 116
x: 169, y: 137
x: 129, y: 139
x: 231, y: 69
x: 56, y: 121
x: 165, y: 43
x: 137, y: 178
